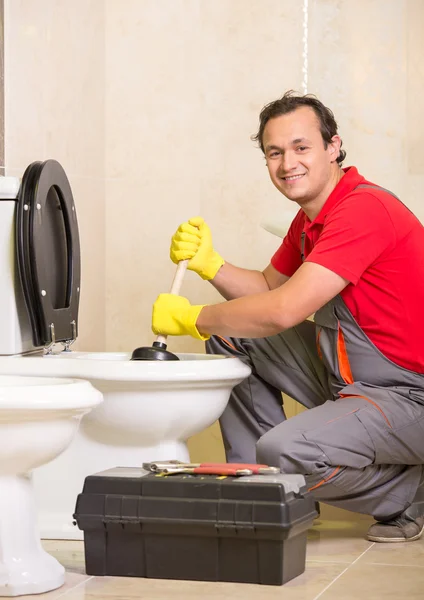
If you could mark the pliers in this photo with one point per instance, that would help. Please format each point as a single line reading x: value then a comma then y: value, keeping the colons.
x: 234, y: 469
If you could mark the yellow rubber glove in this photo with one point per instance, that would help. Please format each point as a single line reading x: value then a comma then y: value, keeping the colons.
x: 174, y: 315
x: 193, y: 240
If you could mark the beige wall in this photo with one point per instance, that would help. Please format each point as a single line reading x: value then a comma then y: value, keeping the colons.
x: 55, y: 108
x: 149, y: 105
x: 366, y: 64
x: 185, y: 80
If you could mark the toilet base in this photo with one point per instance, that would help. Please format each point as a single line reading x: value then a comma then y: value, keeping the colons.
x: 25, y: 568
x: 39, y: 574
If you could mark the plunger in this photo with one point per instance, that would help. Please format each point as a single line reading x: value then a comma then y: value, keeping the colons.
x: 158, y: 349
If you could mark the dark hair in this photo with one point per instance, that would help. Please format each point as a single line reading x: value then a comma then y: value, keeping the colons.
x: 289, y: 103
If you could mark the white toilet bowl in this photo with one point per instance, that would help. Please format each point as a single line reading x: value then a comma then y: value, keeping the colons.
x: 38, y: 419
x: 150, y: 409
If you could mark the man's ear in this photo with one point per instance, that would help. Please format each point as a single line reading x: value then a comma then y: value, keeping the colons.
x: 334, y: 147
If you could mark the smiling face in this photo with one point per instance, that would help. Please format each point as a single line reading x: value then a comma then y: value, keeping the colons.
x: 299, y: 164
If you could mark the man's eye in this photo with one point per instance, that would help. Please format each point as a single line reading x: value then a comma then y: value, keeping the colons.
x: 302, y: 148
x: 273, y: 154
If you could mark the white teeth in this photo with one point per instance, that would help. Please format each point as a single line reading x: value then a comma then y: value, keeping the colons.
x: 292, y: 177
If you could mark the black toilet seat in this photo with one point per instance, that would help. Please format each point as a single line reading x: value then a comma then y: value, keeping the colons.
x: 48, y: 253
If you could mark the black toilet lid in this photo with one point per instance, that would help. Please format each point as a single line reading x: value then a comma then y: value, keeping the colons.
x: 48, y: 252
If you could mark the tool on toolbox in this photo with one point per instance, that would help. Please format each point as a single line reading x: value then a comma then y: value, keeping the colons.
x: 236, y: 469
x: 218, y: 470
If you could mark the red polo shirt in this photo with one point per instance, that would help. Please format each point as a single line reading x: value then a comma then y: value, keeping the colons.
x: 371, y: 239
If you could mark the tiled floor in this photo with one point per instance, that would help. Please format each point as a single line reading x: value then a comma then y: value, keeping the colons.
x: 341, y: 564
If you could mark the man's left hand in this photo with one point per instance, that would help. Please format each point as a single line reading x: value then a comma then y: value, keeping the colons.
x: 174, y: 315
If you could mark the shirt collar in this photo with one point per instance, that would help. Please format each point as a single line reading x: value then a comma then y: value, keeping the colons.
x: 347, y: 184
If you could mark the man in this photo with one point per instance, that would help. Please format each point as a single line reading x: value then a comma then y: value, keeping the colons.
x: 354, y: 256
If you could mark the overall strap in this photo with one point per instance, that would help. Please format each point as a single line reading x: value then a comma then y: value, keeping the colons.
x: 302, y: 246
x: 361, y: 185
x: 378, y: 187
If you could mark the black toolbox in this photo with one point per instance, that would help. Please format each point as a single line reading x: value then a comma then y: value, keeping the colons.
x: 249, y: 529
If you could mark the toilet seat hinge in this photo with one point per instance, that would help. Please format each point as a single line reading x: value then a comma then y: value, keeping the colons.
x: 68, y: 343
x: 49, y: 349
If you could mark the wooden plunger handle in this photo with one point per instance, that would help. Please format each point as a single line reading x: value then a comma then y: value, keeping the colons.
x: 175, y: 289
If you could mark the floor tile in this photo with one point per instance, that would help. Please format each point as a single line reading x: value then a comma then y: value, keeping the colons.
x: 341, y: 563
x: 337, y: 541
x: 377, y: 582
x: 70, y: 554
x: 305, y: 587
x: 407, y: 554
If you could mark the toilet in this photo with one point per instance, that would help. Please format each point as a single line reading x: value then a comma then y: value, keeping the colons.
x: 150, y: 408
x: 39, y: 417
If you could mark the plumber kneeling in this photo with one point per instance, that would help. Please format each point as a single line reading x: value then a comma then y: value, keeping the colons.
x: 354, y: 258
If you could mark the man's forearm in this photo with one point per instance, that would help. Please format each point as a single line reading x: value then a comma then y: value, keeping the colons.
x: 259, y: 315
x: 269, y: 313
x: 233, y: 282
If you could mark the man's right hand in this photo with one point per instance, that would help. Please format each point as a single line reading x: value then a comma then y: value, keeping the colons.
x: 193, y: 241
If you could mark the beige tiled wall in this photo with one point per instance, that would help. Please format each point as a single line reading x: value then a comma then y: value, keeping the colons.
x: 149, y: 105
x: 185, y: 80
x: 54, y: 108
x: 366, y: 64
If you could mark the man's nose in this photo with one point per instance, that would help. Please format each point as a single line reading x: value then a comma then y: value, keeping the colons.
x: 288, y: 162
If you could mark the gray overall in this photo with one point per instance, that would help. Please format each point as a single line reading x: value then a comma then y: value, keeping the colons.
x: 361, y: 446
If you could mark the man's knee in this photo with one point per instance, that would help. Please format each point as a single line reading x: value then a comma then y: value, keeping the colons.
x: 289, y: 451
x: 277, y: 450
